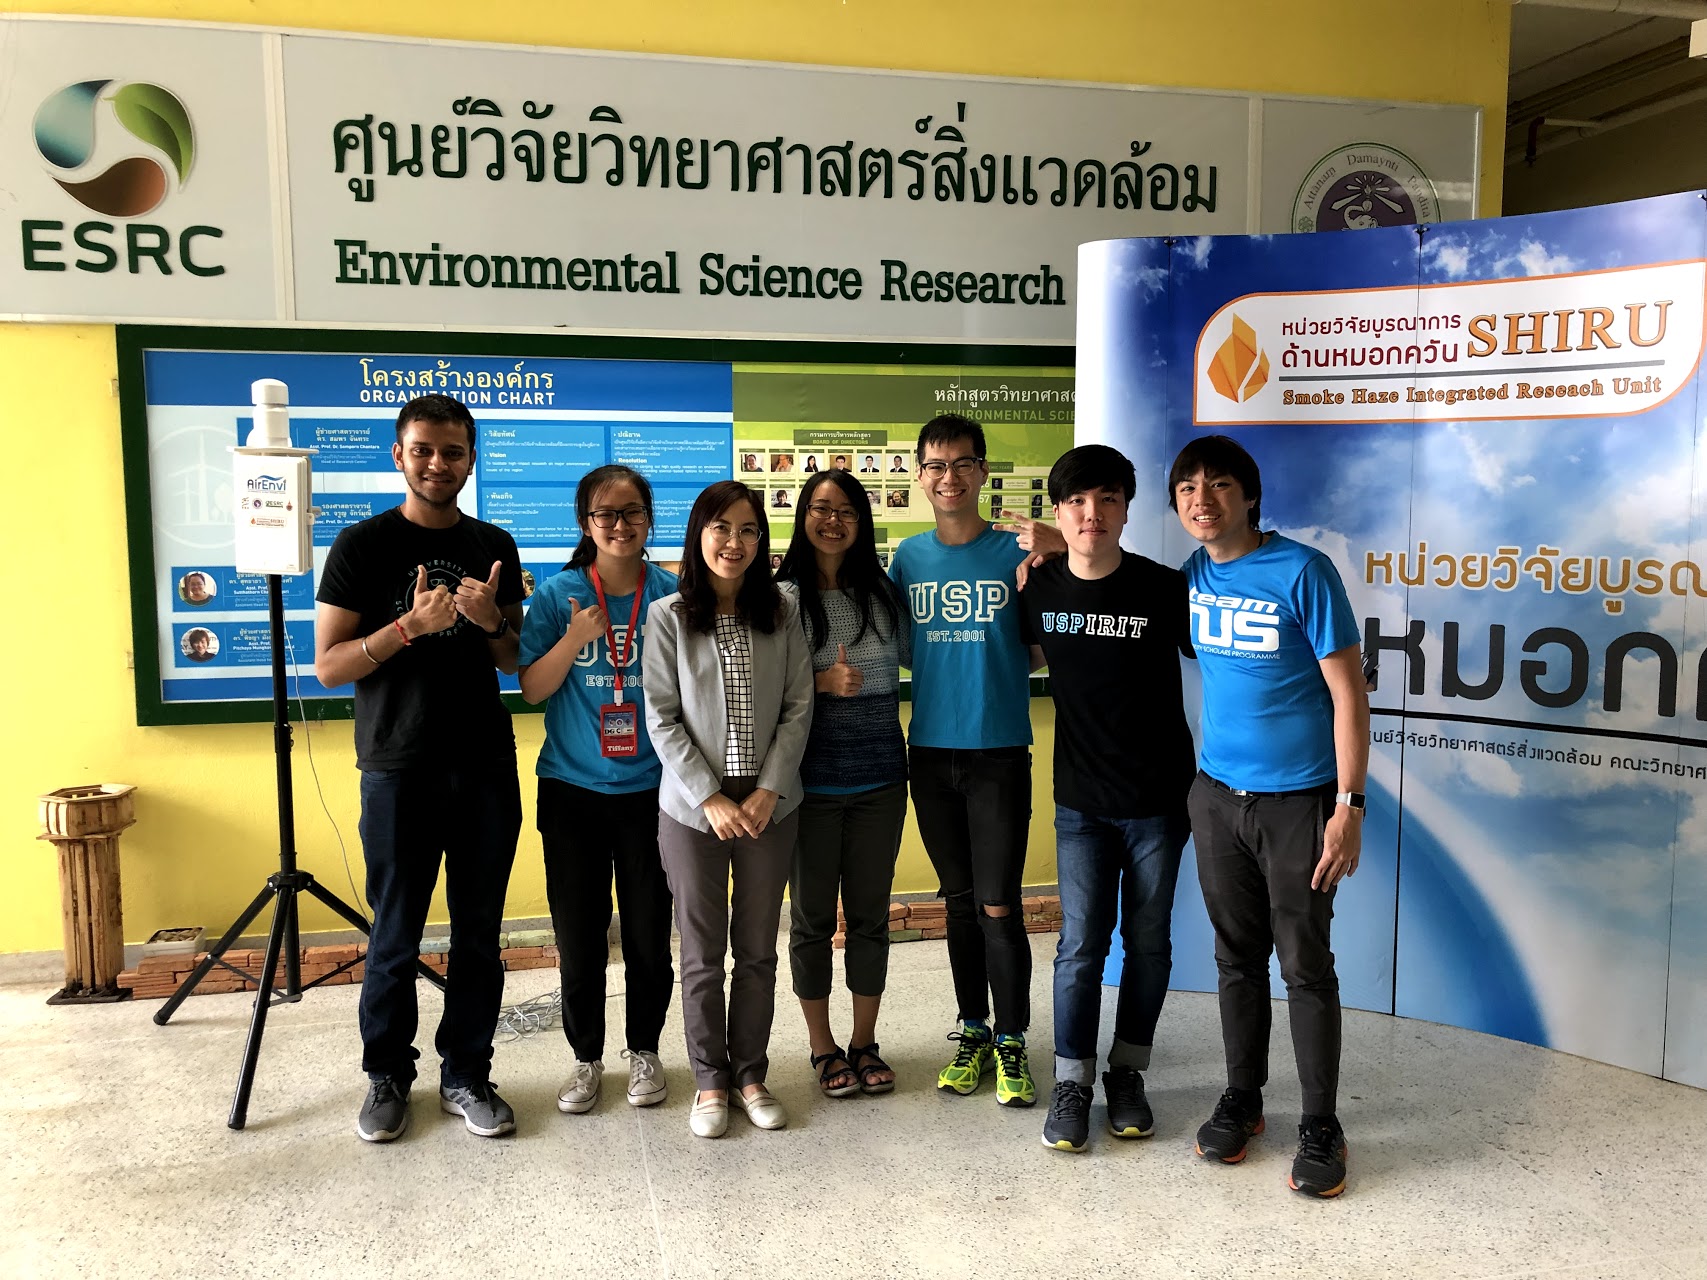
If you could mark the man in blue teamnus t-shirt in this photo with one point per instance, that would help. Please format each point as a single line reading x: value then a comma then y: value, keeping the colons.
x: 1277, y: 808
x: 969, y: 751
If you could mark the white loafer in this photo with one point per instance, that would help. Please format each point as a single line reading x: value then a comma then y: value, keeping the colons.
x: 709, y: 1117
x: 762, y: 1108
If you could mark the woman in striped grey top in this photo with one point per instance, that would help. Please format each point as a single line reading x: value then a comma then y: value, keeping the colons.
x: 854, y: 772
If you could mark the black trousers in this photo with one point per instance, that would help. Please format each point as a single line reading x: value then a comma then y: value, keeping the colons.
x: 1255, y: 857
x: 469, y: 814
x: 974, y: 811
x: 589, y: 836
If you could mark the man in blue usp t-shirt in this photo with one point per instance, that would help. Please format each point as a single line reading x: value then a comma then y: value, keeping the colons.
x: 969, y: 751
x: 1277, y: 808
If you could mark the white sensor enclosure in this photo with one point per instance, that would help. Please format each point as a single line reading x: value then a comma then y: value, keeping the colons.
x: 272, y: 490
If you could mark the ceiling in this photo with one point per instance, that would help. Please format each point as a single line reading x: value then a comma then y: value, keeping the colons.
x: 1572, y: 65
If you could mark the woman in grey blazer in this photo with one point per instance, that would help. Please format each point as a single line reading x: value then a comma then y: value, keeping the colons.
x: 728, y: 707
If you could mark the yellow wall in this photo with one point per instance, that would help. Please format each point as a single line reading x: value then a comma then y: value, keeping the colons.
x: 205, y: 836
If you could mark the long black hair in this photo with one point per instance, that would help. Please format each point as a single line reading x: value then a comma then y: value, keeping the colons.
x: 860, y: 574
x: 587, y: 551
x: 758, y: 600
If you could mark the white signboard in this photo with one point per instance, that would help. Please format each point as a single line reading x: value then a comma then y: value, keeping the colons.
x: 138, y: 182
x: 195, y: 173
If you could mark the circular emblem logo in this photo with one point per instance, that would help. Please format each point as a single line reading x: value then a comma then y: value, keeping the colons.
x: 74, y: 122
x: 1366, y: 184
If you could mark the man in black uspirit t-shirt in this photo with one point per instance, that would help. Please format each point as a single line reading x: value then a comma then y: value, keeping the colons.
x: 420, y: 607
x: 1112, y: 626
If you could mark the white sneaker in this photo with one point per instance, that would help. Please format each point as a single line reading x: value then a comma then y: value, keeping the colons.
x: 581, y: 1090
x: 761, y: 1107
x: 646, y: 1086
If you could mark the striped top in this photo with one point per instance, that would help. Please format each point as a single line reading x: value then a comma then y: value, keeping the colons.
x: 856, y: 743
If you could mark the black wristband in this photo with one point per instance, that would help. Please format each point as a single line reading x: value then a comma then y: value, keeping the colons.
x: 502, y: 631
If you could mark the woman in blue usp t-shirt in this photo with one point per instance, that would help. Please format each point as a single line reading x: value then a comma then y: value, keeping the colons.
x: 598, y: 781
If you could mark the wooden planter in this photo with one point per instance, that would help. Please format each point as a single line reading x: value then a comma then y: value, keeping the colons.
x: 84, y: 824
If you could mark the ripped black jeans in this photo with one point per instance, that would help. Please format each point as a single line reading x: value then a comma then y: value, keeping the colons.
x: 974, y: 810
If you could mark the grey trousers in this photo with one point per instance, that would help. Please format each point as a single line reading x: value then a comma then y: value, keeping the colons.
x: 847, y: 845
x: 727, y: 1042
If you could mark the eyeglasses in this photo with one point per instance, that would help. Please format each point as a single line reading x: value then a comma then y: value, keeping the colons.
x: 824, y: 511
x: 960, y: 466
x: 723, y: 531
x: 606, y: 517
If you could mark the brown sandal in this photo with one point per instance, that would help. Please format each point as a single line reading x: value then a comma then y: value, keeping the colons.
x: 828, y: 1071
x: 873, y: 1064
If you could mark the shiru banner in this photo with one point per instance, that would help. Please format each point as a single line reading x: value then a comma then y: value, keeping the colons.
x: 1495, y: 430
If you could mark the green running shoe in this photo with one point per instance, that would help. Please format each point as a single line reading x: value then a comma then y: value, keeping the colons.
x: 971, y: 1060
x: 1013, y: 1073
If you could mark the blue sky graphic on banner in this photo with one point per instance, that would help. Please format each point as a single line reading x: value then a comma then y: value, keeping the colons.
x: 1493, y: 429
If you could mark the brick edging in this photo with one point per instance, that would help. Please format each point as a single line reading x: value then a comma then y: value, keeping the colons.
x: 157, y: 977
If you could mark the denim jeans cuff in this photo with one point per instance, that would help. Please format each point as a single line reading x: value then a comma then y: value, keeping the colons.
x: 1136, y: 1056
x: 1081, y: 1071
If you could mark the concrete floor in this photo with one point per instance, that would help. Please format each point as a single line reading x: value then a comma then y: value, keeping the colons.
x: 1470, y: 1157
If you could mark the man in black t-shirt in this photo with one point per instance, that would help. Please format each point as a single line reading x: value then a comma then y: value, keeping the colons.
x: 420, y: 607
x: 1112, y: 626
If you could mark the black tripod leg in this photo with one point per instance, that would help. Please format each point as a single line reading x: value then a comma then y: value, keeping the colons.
x: 284, y: 922
x: 326, y: 897
x: 165, y: 1011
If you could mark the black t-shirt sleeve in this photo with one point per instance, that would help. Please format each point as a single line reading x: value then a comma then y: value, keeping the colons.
x: 338, y: 577
x: 1179, y: 590
x: 1028, y: 606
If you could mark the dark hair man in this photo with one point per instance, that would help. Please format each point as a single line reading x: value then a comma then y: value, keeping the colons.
x: 420, y: 607
x: 969, y: 752
x: 1277, y: 808
x: 1111, y: 625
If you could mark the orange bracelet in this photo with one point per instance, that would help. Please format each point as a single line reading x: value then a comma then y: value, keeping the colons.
x: 400, y: 631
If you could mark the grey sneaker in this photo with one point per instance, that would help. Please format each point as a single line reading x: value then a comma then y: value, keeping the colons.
x: 581, y: 1090
x: 480, y: 1107
x: 385, y: 1114
x: 1129, y: 1114
x: 1068, y: 1126
x: 646, y: 1086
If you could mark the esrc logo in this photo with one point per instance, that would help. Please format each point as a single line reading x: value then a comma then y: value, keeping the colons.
x: 83, y: 133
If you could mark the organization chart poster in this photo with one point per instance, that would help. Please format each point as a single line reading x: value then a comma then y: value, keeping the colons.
x: 544, y: 422
x: 1494, y: 430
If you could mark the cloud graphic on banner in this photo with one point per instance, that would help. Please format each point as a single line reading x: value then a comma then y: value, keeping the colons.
x: 1450, y: 256
x: 66, y: 127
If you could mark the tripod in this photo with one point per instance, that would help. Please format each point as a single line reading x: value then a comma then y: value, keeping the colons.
x: 283, y: 887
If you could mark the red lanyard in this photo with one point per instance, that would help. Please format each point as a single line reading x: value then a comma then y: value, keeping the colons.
x: 619, y: 662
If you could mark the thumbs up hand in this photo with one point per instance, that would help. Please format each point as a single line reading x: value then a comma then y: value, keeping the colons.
x: 478, y: 601
x: 433, y: 609
x: 586, y: 624
x: 841, y: 679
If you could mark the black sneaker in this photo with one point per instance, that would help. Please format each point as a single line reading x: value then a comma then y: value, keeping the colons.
x: 1238, y: 1116
x: 482, y: 1110
x: 1129, y: 1114
x: 1068, y: 1127
x: 385, y: 1114
x: 1319, y: 1167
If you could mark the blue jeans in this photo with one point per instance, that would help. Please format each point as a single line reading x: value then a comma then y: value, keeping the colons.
x: 1108, y: 866
x: 470, y: 814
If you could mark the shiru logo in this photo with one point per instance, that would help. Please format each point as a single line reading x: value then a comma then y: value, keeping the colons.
x: 65, y: 129
x: 1239, y: 368
x: 76, y: 129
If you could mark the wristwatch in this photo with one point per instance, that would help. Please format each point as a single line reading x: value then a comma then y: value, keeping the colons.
x: 1354, y: 800
x: 502, y: 631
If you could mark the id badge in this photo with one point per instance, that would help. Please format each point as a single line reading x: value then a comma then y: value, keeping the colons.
x: 619, y: 730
